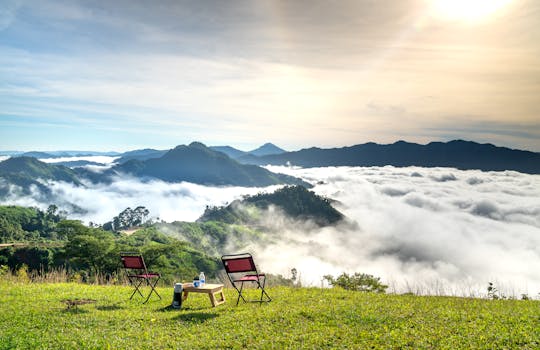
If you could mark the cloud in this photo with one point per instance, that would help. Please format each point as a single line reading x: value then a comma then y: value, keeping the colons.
x: 446, y: 237
x: 405, y: 225
x: 127, y: 70
x: 100, y: 203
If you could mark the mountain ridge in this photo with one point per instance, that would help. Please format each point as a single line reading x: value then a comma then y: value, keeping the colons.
x: 200, y: 164
x: 460, y: 154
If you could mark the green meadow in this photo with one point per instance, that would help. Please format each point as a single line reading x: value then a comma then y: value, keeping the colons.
x: 34, y: 316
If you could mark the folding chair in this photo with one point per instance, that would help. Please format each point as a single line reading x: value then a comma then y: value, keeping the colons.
x: 241, y: 268
x: 137, y: 274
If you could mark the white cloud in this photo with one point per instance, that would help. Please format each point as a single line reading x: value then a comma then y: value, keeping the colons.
x: 420, y: 233
x: 170, y: 202
x: 405, y: 225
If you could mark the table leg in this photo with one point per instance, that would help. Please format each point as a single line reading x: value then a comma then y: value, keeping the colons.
x: 215, y: 302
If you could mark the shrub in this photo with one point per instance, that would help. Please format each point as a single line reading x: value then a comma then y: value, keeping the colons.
x: 361, y: 282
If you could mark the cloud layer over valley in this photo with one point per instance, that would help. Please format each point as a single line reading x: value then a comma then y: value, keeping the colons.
x: 425, y: 230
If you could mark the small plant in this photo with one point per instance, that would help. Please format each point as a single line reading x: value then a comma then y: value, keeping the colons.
x: 295, y: 278
x: 4, y: 270
x: 358, y: 282
x: 22, y: 274
x: 493, y: 292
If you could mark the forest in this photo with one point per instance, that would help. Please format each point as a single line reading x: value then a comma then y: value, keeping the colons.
x: 41, y: 241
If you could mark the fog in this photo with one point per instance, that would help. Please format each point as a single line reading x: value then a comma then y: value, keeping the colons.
x: 423, y: 230
x: 165, y: 201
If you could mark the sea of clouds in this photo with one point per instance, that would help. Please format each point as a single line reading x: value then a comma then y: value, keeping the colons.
x: 422, y: 230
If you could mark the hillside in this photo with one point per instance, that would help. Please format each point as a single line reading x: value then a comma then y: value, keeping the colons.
x: 235, y: 226
x: 35, y: 169
x: 25, y: 172
x: 197, y: 163
x: 228, y: 150
x: 457, y: 154
x: 296, y: 202
x: 142, y: 154
x: 296, y: 318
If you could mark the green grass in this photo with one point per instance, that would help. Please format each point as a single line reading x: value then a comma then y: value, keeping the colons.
x: 32, y: 316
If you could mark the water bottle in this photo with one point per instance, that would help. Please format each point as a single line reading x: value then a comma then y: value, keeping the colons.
x: 202, y: 279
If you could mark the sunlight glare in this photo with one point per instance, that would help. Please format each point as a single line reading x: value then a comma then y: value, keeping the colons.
x: 466, y: 10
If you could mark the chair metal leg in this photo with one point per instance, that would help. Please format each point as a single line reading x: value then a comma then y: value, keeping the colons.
x: 137, y: 285
x: 263, y: 291
x: 240, y: 293
x: 153, y: 289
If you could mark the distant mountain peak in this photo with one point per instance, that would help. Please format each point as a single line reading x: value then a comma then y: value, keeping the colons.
x: 267, y: 149
x: 197, y: 144
x: 197, y: 163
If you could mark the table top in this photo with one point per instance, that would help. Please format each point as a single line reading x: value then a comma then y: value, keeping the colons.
x: 207, y: 288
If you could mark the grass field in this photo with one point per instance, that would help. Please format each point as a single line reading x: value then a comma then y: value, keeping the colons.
x: 32, y: 316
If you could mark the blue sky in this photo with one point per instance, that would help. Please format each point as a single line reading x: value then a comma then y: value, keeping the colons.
x: 120, y: 75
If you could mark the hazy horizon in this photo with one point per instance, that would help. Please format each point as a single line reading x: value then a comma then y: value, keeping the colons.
x: 59, y: 159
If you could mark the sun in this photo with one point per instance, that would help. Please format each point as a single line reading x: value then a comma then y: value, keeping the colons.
x: 466, y: 10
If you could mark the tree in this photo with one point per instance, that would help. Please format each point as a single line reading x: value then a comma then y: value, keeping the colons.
x: 128, y: 218
x: 35, y: 258
x: 358, y: 282
x: 67, y: 229
x: 92, y: 250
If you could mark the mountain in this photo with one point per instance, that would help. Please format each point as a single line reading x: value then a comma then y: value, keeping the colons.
x: 66, y: 154
x: 228, y: 150
x: 457, y: 154
x: 10, y: 153
x: 267, y: 149
x: 197, y: 163
x: 295, y: 201
x: 78, y: 163
x: 25, y: 172
x: 35, y: 169
x: 264, y: 150
x: 141, y: 154
x: 36, y: 154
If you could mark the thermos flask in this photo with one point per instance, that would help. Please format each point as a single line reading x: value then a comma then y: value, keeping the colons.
x: 177, y: 297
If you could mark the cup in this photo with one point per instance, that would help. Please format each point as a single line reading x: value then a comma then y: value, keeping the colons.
x: 196, y: 283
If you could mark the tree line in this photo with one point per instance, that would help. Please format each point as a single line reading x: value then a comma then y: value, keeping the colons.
x: 48, y: 240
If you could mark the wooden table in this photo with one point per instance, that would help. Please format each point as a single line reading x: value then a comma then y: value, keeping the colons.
x: 210, y: 289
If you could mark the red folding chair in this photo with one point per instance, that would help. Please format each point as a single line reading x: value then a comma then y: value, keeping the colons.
x: 137, y: 274
x: 241, y: 268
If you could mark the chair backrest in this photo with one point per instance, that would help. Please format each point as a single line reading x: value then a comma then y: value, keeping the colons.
x: 133, y: 261
x: 237, y: 263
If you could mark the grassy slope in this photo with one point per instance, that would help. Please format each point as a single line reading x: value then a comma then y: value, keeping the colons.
x: 32, y: 316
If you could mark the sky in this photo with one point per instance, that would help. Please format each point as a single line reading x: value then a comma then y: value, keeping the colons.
x: 125, y: 74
